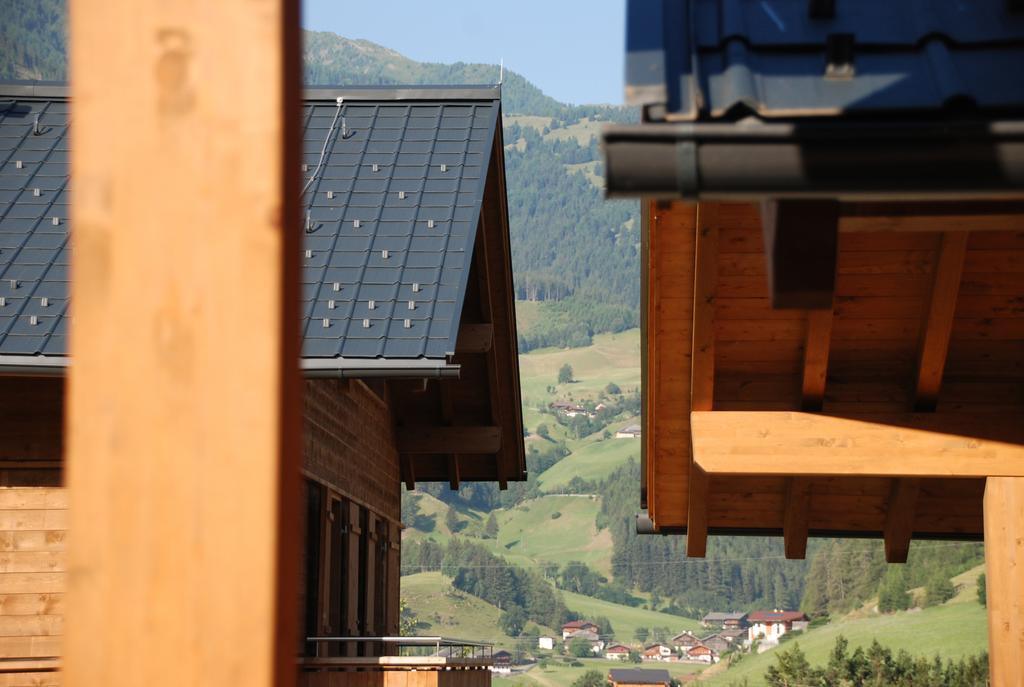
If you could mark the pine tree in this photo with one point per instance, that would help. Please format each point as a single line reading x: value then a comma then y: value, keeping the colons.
x: 491, y: 528
x: 893, y: 595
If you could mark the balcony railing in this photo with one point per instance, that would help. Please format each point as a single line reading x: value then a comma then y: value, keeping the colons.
x: 405, y: 662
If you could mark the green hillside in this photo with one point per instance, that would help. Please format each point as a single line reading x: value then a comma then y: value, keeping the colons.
x: 592, y: 460
x: 953, y: 630
x: 446, y: 611
x: 626, y: 619
x: 555, y: 529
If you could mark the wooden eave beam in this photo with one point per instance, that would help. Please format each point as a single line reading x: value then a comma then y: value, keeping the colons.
x: 930, y: 217
x: 871, y: 444
x: 795, y: 519
x: 899, y: 518
x: 1004, y: 576
x: 801, y: 239
x: 447, y: 440
x: 816, y: 352
x: 448, y: 416
x: 702, y: 384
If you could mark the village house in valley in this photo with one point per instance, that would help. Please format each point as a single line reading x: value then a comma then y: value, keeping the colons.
x: 629, y: 432
x: 723, y: 621
x: 617, y: 652
x: 408, y: 350
x: 658, y: 652
x: 571, y: 628
x: 769, y: 626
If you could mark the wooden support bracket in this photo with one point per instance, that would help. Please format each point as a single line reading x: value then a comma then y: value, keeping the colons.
x: 801, y: 240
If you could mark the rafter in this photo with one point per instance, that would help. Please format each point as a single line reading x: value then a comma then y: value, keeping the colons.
x: 939, y: 324
x: 801, y: 238
x: 795, y: 518
x: 816, y: 351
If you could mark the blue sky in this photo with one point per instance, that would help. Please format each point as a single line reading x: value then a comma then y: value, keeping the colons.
x: 571, y: 49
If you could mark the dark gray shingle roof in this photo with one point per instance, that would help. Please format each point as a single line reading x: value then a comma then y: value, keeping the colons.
x: 640, y: 676
x: 701, y: 59
x: 392, y: 215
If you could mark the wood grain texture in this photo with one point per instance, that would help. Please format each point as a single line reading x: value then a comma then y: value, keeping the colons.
x: 184, y: 400
x: 702, y: 376
x: 816, y: 349
x: 880, y: 444
x: 1004, y: 573
x: 669, y: 306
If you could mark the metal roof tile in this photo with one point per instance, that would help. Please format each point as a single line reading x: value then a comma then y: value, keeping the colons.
x: 384, y: 173
x: 710, y: 59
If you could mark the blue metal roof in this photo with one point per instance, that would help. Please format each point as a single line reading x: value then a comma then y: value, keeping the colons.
x: 709, y: 59
x: 395, y: 184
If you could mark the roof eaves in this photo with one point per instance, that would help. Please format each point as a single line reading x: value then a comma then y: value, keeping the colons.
x: 60, y: 89
x: 420, y: 368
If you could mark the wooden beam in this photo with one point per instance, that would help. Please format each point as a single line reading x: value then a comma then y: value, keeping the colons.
x: 957, y: 216
x: 939, y: 323
x: 448, y: 416
x: 184, y: 399
x: 443, y: 440
x: 702, y: 380
x: 1004, y: 579
x: 795, y: 519
x: 475, y: 338
x: 669, y: 235
x: 697, y: 516
x: 878, y: 444
x: 899, y: 518
x: 816, y: 350
x: 801, y: 240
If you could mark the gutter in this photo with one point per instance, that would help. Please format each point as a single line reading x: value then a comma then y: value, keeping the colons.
x: 312, y: 368
x: 860, y: 160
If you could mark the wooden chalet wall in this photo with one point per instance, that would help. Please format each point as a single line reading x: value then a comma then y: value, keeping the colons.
x: 33, y: 524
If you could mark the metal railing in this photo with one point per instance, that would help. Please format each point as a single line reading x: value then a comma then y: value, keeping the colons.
x: 442, y: 646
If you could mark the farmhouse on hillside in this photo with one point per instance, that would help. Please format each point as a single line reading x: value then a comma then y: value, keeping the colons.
x: 546, y: 642
x: 657, y: 652
x: 573, y: 626
x: 408, y: 345
x: 685, y: 639
x: 716, y: 643
x: 638, y: 677
x: 701, y: 654
x: 832, y: 227
x: 768, y: 626
x: 629, y: 432
x: 724, y: 621
x: 501, y: 662
x: 617, y: 652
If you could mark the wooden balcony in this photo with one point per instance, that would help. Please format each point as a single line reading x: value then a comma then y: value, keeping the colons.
x: 395, y: 671
x: 437, y: 662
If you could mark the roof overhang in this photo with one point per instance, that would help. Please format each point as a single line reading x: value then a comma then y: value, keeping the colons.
x: 850, y: 160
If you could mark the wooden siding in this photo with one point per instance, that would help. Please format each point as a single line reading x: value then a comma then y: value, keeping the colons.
x: 33, y: 524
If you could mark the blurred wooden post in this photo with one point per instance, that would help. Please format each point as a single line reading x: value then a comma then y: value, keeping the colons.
x: 1004, y: 579
x: 184, y: 399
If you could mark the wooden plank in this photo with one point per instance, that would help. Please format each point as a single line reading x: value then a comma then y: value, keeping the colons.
x: 31, y: 604
x: 702, y: 384
x: 33, y: 498
x: 881, y: 444
x: 795, y: 517
x: 801, y: 239
x: 816, y: 347
x: 51, y: 519
x: 670, y: 240
x: 475, y: 338
x: 444, y: 440
x: 31, y: 625
x: 52, y: 540
x: 928, y: 217
x: 31, y: 647
x: 899, y: 519
x: 32, y: 583
x: 184, y: 420
x: 938, y: 325
x: 1004, y: 579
